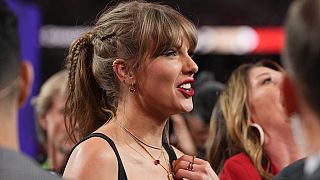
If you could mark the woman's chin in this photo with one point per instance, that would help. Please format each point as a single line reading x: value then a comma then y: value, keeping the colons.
x: 188, y: 107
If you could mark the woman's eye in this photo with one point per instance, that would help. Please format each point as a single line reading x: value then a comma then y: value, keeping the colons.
x: 267, y: 80
x: 170, y: 53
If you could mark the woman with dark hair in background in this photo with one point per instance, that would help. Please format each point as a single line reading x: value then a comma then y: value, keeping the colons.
x: 251, y: 137
x: 126, y: 77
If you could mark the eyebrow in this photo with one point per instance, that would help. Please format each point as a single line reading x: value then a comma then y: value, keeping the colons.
x: 263, y: 74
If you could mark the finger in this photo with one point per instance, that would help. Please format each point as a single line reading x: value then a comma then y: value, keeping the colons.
x: 181, y: 165
x: 188, y: 158
x: 198, y: 172
x: 178, y: 161
x: 184, y: 161
x: 192, y: 159
x: 190, y: 167
x: 183, y: 173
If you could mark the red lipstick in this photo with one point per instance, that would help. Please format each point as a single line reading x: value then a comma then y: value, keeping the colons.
x: 186, y: 88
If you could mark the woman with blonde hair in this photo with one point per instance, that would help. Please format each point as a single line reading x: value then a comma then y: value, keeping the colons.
x: 49, y: 107
x: 250, y: 134
x: 126, y: 77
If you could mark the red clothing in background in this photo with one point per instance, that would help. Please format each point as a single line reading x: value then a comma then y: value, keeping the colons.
x: 240, y: 167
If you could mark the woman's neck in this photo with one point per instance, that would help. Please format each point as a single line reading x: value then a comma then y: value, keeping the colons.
x: 282, y: 149
x: 148, y: 128
x: 310, y: 126
x: 8, y: 130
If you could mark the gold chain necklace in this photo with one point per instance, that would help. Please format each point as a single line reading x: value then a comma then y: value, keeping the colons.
x: 155, y: 161
x: 138, y: 139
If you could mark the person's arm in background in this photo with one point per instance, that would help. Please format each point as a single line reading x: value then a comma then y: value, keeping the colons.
x: 183, y: 138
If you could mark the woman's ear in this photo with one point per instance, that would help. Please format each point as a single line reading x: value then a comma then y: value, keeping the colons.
x: 289, y: 95
x: 25, y: 84
x: 42, y: 120
x: 120, y: 67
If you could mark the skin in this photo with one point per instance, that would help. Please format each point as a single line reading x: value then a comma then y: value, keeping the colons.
x: 267, y: 110
x: 144, y: 113
x: 201, y: 169
x: 163, y: 76
x: 58, y: 145
x: 183, y: 139
x: 266, y: 98
x: 9, y: 110
x: 296, y: 103
x: 190, y: 135
x: 199, y: 130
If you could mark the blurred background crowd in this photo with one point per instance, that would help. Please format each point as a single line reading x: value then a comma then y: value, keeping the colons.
x: 231, y: 32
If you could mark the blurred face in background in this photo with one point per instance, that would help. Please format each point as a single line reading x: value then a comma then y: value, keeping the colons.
x: 265, y: 98
x: 58, y: 144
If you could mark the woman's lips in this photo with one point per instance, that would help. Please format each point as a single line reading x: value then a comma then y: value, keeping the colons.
x: 186, y: 88
x: 187, y: 92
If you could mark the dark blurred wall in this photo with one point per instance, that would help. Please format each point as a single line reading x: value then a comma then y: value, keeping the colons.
x: 201, y: 12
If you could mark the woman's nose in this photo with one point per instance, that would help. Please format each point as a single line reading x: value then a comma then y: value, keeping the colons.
x: 190, y: 67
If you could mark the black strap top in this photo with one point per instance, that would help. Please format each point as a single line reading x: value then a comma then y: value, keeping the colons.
x: 121, y: 171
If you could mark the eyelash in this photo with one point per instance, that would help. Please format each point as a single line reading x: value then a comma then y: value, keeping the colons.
x: 170, y: 52
x: 267, y: 80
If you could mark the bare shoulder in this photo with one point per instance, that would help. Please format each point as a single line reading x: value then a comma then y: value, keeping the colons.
x: 92, y: 159
x: 177, y: 151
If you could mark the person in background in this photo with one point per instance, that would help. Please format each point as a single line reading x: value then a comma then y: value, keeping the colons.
x: 250, y: 136
x: 49, y: 109
x: 126, y: 77
x: 15, y: 83
x: 301, y: 58
x: 193, y: 127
